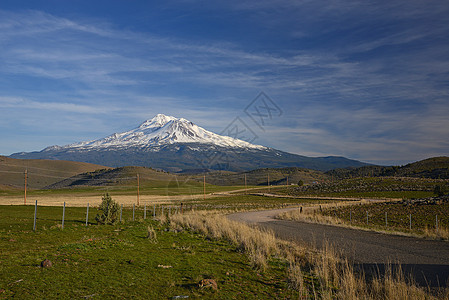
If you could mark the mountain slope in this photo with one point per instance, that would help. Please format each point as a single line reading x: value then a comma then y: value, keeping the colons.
x: 435, y: 168
x: 280, y: 176
x: 159, y: 131
x: 40, y: 172
x: 176, y: 144
x: 123, y: 176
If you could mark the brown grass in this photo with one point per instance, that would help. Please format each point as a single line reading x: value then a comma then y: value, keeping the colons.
x: 314, y: 274
x: 312, y: 214
x: 441, y: 233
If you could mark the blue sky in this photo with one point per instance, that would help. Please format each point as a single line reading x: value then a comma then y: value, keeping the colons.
x: 368, y: 80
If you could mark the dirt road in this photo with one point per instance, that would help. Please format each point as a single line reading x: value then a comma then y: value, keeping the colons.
x: 426, y: 260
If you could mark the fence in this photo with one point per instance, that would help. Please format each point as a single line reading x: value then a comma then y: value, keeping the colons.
x: 126, y: 213
x: 418, y: 221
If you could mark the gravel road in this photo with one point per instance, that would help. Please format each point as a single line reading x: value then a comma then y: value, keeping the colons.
x: 426, y: 260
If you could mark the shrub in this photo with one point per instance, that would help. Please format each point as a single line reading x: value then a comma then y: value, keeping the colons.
x: 440, y: 190
x: 110, y: 211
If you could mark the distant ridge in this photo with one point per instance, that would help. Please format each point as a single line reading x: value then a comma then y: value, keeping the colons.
x: 41, y: 172
x: 435, y: 168
x: 176, y: 144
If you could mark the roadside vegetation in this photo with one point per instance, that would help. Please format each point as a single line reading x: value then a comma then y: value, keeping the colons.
x: 192, y: 250
x: 369, y: 187
x: 427, y: 217
x: 200, y: 255
x: 123, y: 260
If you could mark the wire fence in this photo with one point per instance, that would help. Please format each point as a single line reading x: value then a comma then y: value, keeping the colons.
x: 392, y: 216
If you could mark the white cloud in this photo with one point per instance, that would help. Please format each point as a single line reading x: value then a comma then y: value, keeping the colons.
x: 21, y: 103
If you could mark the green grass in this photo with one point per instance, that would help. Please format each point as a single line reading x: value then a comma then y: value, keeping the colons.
x: 250, y: 202
x: 368, y: 187
x: 120, y: 261
x: 156, y: 188
x: 379, y: 194
x: 398, y: 216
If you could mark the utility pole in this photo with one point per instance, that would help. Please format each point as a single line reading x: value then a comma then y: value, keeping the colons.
x: 25, y: 195
x: 246, y: 189
x: 268, y: 183
x: 138, y: 190
x: 204, y: 187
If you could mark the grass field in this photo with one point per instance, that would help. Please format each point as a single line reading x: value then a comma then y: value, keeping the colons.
x: 395, y: 216
x: 148, y: 259
x: 368, y: 187
x: 119, y: 261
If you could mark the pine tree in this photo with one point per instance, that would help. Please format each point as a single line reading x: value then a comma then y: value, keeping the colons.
x: 110, y: 211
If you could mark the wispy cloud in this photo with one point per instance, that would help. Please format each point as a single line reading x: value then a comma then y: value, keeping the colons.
x: 353, y: 77
x: 21, y: 103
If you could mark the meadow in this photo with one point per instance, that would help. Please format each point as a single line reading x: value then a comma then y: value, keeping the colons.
x: 168, y: 257
x: 121, y: 261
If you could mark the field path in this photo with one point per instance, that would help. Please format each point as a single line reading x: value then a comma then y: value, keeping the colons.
x: 426, y: 260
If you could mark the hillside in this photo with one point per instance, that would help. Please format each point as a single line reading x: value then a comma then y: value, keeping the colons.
x: 123, y: 176
x: 40, y: 172
x: 435, y: 168
x: 261, y: 176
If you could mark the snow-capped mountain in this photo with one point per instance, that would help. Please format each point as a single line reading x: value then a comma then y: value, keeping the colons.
x: 159, y: 131
x: 176, y: 144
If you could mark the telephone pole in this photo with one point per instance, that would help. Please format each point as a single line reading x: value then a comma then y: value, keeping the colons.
x: 25, y: 185
x: 246, y: 189
x: 268, y: 182
x: 138, y: 190
x: 204, y: 187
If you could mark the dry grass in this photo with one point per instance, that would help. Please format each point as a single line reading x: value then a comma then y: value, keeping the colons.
x: 152, y: 235
x: 312, y: 214
x: 441, y: 233
x: 258, y: 244
x: 314, y: 274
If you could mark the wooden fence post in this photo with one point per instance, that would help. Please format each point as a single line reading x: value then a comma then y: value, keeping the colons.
x: 87, y: 213
x: 436, y: 223
x: 63, y: 215
x: 35, y: 215
x: 410, y: 221
x: 121, y: 209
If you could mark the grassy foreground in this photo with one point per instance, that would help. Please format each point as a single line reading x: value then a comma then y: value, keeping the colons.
x: 120, y: 261
x: 167, y: 258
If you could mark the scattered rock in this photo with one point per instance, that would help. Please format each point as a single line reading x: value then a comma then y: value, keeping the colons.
x: 46, y: 264
x: 164, y: 267
x: 208, y: 283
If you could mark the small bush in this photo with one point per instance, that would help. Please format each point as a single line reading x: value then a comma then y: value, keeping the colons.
x: 151, y: 235
x: 110, y: 211
x: 440, y: 190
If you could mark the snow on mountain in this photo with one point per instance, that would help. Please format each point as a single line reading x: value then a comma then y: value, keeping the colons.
x: 161, y: 130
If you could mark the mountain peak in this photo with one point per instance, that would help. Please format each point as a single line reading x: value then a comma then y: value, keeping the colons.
x: 157, y: 121
x: 163, y: 130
